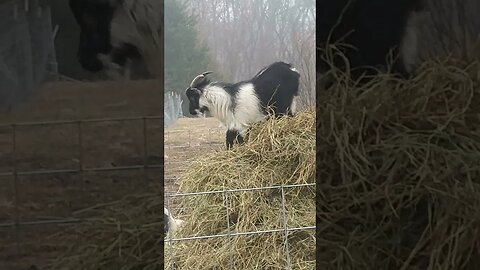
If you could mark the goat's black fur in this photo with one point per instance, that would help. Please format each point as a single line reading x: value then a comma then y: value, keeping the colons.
x: 373, y: 27
x: 94, y: 18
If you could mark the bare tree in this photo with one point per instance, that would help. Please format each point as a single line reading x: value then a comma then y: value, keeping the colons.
x: 450, y: 28
x: 246, y: 35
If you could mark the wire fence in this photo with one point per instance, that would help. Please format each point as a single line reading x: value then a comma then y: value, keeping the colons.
x: 27, y: 53
x: 80, y: 156
x: 286, y: 229
x: 195, y: 142
x: 13, y: 177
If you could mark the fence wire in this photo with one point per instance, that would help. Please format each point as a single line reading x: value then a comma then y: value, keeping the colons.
x: 20, y: 226
x: 81, y: 168
x: 185, y: 150
x: 27, y: 54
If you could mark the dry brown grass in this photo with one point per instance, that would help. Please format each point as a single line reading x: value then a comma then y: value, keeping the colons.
x: 398, y: 176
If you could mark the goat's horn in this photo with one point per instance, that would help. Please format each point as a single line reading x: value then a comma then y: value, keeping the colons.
x: 197, y: 80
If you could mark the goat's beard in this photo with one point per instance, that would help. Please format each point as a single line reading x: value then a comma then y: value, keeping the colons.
x: 113, y: 70
x: 202, y: 112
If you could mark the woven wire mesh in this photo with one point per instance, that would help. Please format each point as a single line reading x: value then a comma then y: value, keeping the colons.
x: 197, y: 140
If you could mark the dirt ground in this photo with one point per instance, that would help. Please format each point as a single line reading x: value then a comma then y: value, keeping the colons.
x: 186, y: 140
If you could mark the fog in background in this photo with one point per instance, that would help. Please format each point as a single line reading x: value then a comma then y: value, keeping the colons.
x: 450, y: 28
x: 245, y: 35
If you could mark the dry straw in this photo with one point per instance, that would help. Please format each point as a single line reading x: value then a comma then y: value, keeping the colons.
x: 278, y: 152
x: 127, y: 234
x: 398, y: 184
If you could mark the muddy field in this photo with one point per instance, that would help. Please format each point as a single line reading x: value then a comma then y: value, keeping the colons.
x: 53, y: 197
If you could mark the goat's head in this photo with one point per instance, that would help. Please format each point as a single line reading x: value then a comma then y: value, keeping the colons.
x: 171, y: 224
x: 94, y: 19
x: 197, y: 105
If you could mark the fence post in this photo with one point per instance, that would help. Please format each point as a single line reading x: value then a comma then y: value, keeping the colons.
x: 285, y: 227
x: 229, y: 231
x: 145, y: 149
x: 80, y: 151
x: 16, y: 217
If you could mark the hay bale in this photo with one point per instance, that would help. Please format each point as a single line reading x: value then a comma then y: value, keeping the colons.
x: 399, y: 171
x: 278, y: 152
x: 128, y: 234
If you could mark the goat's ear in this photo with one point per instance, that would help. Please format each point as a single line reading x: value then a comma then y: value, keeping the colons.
x: 206, y: 73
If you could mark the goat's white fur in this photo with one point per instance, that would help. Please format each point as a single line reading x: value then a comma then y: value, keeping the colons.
x: 247, y: 110
x: 293, y: 107
x: 174, y: 224
x: 409, y: 44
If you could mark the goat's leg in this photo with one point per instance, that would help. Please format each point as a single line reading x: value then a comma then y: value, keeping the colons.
x: 292, y: 108
x: 230, y: 137
x: 240, y: 139
x: 233, y: 135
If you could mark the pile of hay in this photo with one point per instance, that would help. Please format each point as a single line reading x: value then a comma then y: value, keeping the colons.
x: 124, y: 235
x: 398, y: 184
x: 128, y: 234
x: 278, y: 152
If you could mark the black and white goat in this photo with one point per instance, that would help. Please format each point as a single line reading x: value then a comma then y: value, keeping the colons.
x: 171, y: 224
x: 238, y: 105
x: 371, y: 29
x: 116, y: 32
